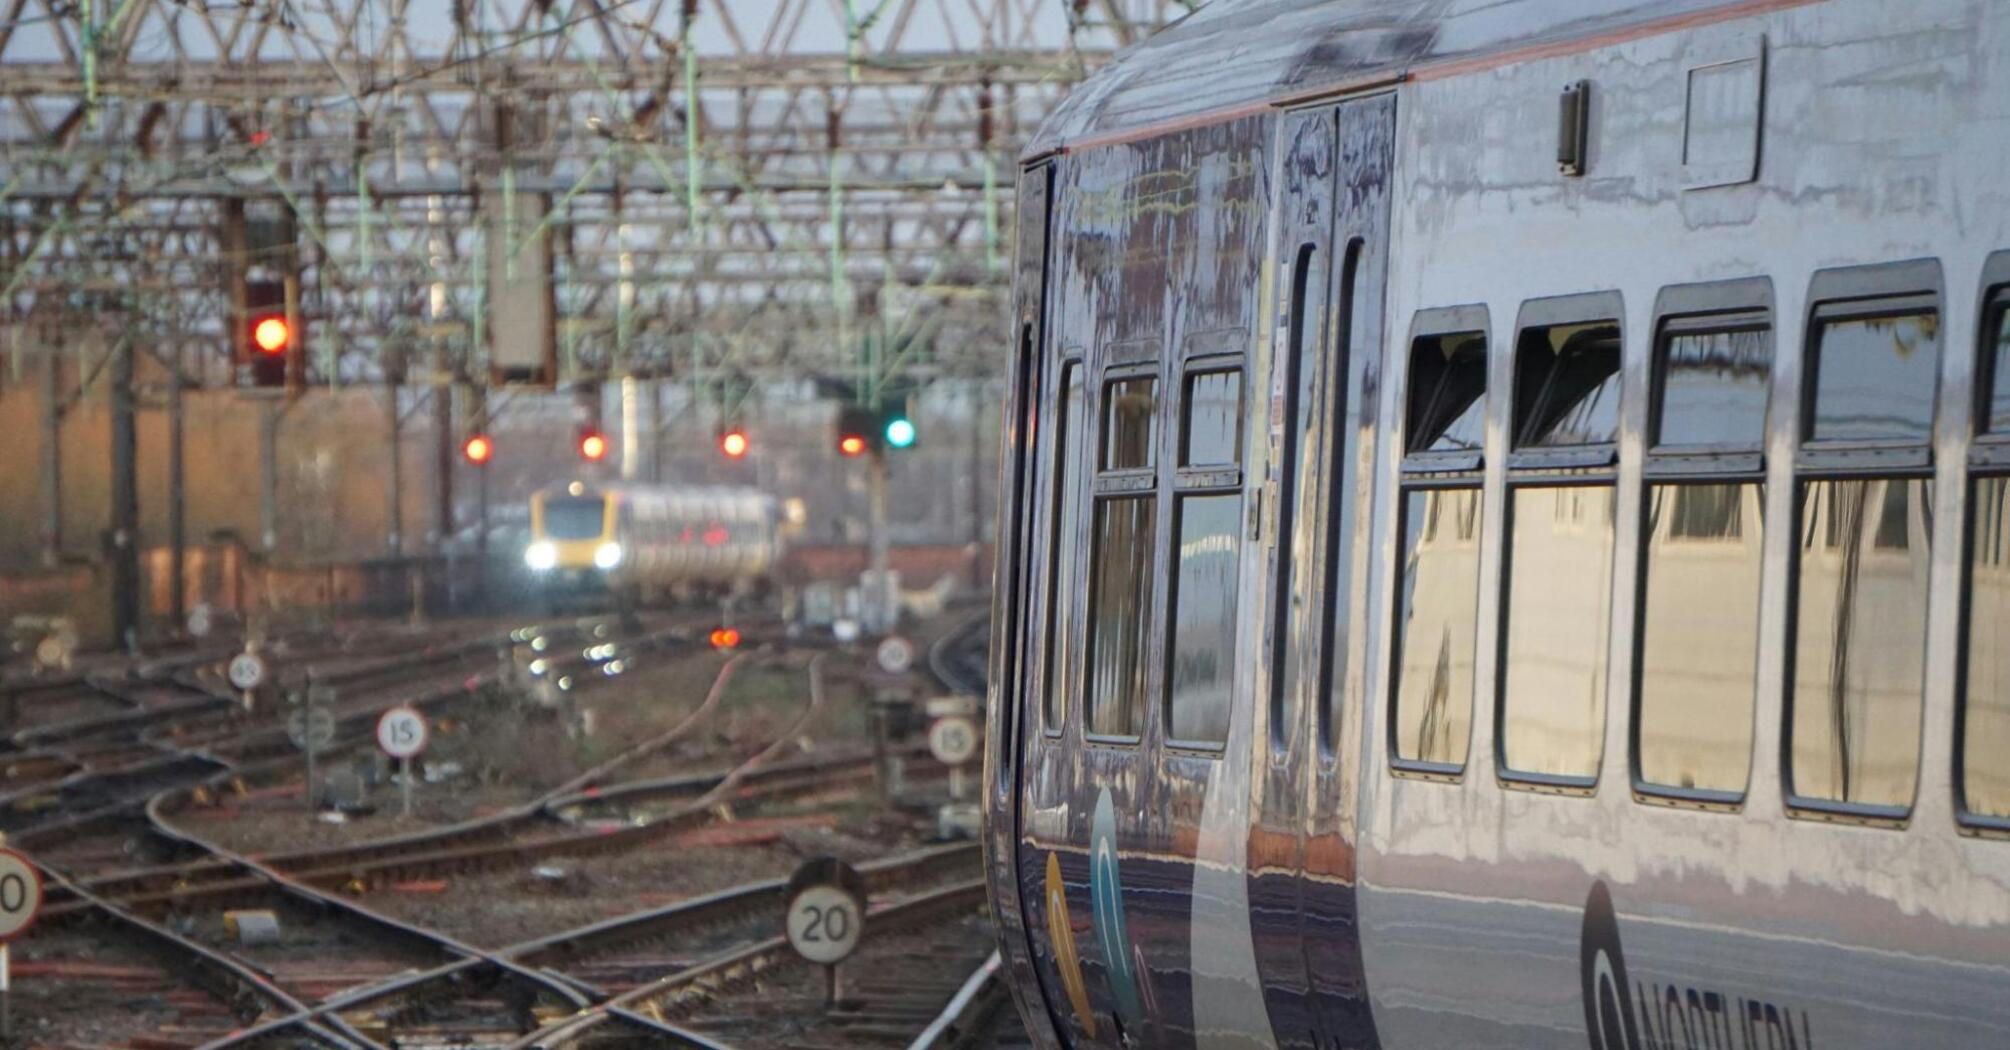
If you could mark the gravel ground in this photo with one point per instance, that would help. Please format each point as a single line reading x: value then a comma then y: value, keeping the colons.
x: 90, y: 987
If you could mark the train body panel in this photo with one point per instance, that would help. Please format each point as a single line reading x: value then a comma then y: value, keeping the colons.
x: 1532, y: 647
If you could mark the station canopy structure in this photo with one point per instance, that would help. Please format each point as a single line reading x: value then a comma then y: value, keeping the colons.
x: 736, y: 185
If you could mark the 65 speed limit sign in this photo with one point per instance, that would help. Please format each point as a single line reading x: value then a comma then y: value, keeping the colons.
x: 402, y: 733
x: 20, y: 895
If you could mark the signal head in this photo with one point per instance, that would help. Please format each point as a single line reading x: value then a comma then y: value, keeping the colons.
x: 271, y: 334
x: 725, y: 638
x: 478, y: 449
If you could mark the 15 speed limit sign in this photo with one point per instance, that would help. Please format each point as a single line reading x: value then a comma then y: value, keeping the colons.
x: 20, y: 895
x: 402, y: 733
x: 953, y: 740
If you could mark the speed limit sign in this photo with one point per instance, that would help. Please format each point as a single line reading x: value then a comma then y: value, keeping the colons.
x: 402, y: 733
x: 20, y: 895
x: 247, y: 671
x: 826, y: 911
x: 953, y: 740
x: 895, y: 655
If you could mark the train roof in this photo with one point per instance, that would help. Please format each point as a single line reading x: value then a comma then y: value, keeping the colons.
x: 1239, y: 56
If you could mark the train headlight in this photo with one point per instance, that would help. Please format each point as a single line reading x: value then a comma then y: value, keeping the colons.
x: 607, y: 555
x: 541, y: 556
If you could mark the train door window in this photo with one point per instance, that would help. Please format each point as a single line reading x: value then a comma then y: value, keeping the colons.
x: 1703, y: 557
x: 1982, y: 755
x: 1124, y: 553
x: 1561, y: 513
x: 1207, y: 531
x: 1438, y: 590
x: 1863, y: 557
x: 1067, y: 514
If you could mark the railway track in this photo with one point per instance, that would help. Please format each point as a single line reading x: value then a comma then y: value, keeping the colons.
x: 338, y: 950
x: 959, y: 657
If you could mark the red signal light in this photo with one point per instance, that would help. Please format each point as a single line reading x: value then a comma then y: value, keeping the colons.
x: 852, y: 445
x: 593, y: 446
x: 725, y: 638
x: 478, y: 449
x: 733, y: 443
x: 271, y: 335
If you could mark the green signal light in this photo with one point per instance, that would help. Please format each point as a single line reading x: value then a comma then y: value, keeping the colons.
x: 900, y: 432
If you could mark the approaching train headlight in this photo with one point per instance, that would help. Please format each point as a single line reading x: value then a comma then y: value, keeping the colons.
x: 607, y: 555
x: 541, y: 556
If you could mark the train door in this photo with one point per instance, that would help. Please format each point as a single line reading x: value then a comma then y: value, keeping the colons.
x: 1013, y: 711
x: 1353, y: 376
x: 1325, y: 365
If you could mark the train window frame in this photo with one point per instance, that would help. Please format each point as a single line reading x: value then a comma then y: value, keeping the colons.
x: 1991, y: 447
x: 1071, y: 362
x: 1437, y: 471
x: 1847, y: 293
x: 1205, y: 353
x: 1970, y: 820
x: 1197, y: 364
x: 1589, y: 308
x: 1858, y: 293
x: 1438, y: 324
x: 1122, y: 362
x: 1988, y: 461
x: 1714, y: 307
x: 1555, y: 467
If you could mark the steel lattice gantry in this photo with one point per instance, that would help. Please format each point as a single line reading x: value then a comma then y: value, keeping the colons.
x: 735, y: 185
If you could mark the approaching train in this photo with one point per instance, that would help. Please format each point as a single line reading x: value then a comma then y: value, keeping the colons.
x: 1506, y: 532
x: 641, y: 544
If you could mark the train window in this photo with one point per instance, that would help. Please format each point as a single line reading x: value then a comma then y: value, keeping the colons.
x: 1699, y: 649
x: 1212, y: 434
x: 1874, y: 377
x: 1985, y: 713
x: 1067, y: 504
x: 1202, y: 648
x: 1703, y: 557
x: 1859, y: 655
x: 1996, y: 419
x: 1130, y: 411
x: 1712, y: 387
x: 1438, y: 587
x: 574, y: 517
x: 1437, y: 622
x: 1119, y: 607
x: 1559, y: 610
x: 1448, y: 387
x: 1567, y: 385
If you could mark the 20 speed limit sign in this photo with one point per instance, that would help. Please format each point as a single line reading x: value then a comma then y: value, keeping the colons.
x: 826, y: 911
x: 402, y: 733
x: 20, y: 895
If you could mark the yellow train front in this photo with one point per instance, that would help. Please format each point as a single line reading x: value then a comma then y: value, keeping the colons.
x: 645, y: 544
